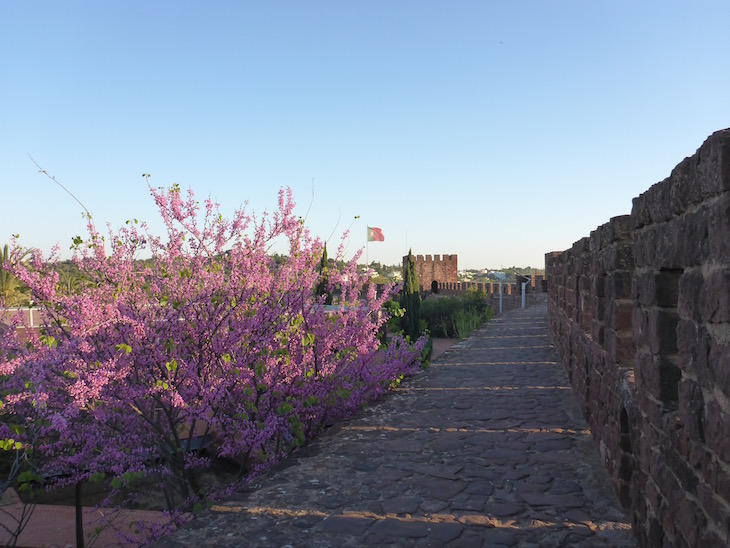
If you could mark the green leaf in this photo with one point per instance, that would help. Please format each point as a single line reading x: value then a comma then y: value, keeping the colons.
x: 117, y: 483
x: 29, y: 477
x: 285, y: 408
x: 124, y: 347
x: 308, y: 339
x: 97, y: 477
x: 171, y: 366
x: 7, y: 444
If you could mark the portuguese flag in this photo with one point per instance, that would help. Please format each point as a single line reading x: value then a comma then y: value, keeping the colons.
x: 375, y: 234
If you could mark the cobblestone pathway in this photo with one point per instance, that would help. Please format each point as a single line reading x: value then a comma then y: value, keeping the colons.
x: 485, y: 448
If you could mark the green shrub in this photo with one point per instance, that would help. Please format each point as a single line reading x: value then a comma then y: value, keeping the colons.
x: 411, y: 300
x: 456, y: 316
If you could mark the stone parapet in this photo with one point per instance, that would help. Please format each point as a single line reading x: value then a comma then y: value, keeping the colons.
x: 640, y: 315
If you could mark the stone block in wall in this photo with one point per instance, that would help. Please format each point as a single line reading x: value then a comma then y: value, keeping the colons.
x: 686, y: 343
x: 599, y: 286
x: 719, y: 360
x: 715, y: 296
x: 662, y: 331
x: 658, y: 377
x: 702, y: 175
x: 718, y: 230
x: 647, y: 399
x: 701, y: 365
x: 621, y: 315
x: 690, y: 520
x: 620, y: 347
x: 579, y: 248
x: 655, y: 246
x: 714, y: 508
x: 660, y: 288
x: 598, y: 332
x: 692, y: 409
x: 693, y: 242
x: 601, y: 309
x: 657, y: 328
x: 622, y: 257
x: 713, y: 169
x: 597, y: 239
x: 667, y: 254
x: 717, y: 426
x: 640, y: 322
x: 644, y: 249
x: 586, y: 316
x: 683, y: 188
x: 722, y: 481
x: 640, y: 212
x: 689, y: 291
x: 622, y: 228
x: 676, y: 463
x: 652, y: 206
x: 618, y: 284
x: 617, y: 229
x: 701, y: 459
x: 642, y: 290
x: 662, y: 472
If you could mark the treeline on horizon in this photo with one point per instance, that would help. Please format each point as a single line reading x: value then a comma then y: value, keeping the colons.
x: 72, y: 280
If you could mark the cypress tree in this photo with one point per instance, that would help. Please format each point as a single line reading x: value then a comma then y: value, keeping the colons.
x: 324, y: 277
x: 411, y: 299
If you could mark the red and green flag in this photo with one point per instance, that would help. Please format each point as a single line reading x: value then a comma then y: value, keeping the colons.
x: 375, y: 234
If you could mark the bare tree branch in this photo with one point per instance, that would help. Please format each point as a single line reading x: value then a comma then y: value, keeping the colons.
x: 41, y: 170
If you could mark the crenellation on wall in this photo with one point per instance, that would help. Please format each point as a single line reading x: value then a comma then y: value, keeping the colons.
x: 651, y: 369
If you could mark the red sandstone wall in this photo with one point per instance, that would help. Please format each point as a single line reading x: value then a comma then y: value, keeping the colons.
x: 441, y: 268
x: 640, y: 315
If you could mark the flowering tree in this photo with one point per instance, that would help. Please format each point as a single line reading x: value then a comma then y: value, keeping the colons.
x: 207, y: 350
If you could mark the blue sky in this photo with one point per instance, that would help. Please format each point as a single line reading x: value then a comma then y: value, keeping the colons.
x: 498, y: 131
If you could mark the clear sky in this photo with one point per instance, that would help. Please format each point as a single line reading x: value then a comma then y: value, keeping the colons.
x: 496, y: 130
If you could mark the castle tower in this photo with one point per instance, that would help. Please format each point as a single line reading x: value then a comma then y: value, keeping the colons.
x: 436, y: 268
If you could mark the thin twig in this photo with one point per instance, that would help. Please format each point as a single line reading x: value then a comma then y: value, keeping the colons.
x: 41, y: 170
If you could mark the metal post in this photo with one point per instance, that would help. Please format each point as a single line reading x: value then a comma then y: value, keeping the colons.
x: 500, y: 296
x: 524, y: 284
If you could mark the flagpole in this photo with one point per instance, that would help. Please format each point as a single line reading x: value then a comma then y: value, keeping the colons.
x: 367, y: 244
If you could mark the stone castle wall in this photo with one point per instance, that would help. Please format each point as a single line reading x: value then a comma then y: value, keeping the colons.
x: 438, y: 268
x: 640, y: 315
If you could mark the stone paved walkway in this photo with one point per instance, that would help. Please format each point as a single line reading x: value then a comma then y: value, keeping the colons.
x: 485, y: 448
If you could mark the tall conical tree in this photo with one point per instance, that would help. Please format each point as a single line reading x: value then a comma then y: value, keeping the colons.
x: 322, y: 288
x: 411, y: 299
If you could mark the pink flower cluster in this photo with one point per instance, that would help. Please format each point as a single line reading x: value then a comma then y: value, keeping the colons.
x: 206, y: 349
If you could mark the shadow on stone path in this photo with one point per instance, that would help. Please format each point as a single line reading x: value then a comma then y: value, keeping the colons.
x: 485, y: 448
